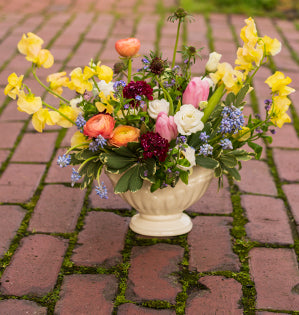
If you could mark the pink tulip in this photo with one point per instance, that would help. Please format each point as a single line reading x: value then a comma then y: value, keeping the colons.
x: 166, y: 127
x: 197, y: 91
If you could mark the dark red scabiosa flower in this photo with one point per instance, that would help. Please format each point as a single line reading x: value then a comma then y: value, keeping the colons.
x: 136, y: 90
x: 154, y: 146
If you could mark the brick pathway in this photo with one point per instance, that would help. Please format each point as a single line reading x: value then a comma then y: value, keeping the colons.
x: 64, y: 251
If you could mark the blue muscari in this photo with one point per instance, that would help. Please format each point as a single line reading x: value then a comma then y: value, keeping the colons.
x: 101, y: 190
x: 64, y: 160
x: 75, y: 177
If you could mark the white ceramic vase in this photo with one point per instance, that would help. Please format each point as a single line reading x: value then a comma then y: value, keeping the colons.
x: 161, y: 213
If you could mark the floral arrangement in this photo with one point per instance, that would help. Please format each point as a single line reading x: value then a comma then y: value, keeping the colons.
x: 156, y: 124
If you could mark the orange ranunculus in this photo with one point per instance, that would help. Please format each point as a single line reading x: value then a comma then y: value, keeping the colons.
x: 100, y: 124
x: 124, y: 134
x: 127, y: 47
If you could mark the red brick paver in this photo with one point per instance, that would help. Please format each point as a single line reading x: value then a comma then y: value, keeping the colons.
x: 66, y: 251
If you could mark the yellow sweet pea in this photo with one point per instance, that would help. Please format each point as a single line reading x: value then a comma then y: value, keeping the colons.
x: 272, y: 45
x: 45, y: 59
x: 79, y: 138
x: 245, y: 131
x: 104, y: 73
x: 31, y: 46
x: 278, y: 116
x: 69, y: 111
x: 278, y: 81
x: 79, y: 82
x: 105, y: 105
x: 14, y: 85
x: 248, y: 33
x: 232, y: 79
x: 57, y: 81
x: 29, y: 103
x: 88, y: 73
x: 281, y: 102
x: 42, y: 117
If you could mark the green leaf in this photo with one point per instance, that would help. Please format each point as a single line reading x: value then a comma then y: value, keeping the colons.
x: 184, y: 176
x: 206, y: 162
x: 257, y: 149
x: 123, y: 151
x: 218, y: 171
x: 136, y: 181
x: 241, y: 95
x: 156, y: 185
x: 184, y: 162
x: 133, y: 146
x: 229, y: 160
x: 85, y: 154
x: 123, y: 183
x: 233, y: 172
x: 115, y: 161
x: 242, y: 155
x: 230, y: 99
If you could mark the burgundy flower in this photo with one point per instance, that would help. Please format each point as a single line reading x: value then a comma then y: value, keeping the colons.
x: 136, y: 90
x: 154, y: 145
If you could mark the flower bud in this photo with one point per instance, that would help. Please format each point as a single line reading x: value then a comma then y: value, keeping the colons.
x: 166, y: 127
x: 212, y: 64
x: 197, y: 91
x: 128, y: 47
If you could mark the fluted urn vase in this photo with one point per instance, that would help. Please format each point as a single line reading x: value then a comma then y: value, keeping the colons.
x: 161, y: 213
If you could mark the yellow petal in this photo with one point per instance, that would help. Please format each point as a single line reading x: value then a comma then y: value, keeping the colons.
x: 105, y: 73
x: 79, y: 138
x: 272, y: 46
x: 45, y: 59
x: 29, y: 103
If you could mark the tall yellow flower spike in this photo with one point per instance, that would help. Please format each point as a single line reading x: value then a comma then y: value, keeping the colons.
x: 29, y: 103
x: 14, y: 85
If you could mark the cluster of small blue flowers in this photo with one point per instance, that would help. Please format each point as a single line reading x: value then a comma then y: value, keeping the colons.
x: 80, y: 121
x: 100, y: 141
x: 232, y: 120
x: 169, y: 84
x: 146, y: 66
x: 75, y: 177
x: 226, y: 144
x: 181, y: 142
x: 204, y: 137
x: 268, y: 104
x: 205, y: 149
x: 64, y: 160
x: 119, y: 85
x: 101, y: 190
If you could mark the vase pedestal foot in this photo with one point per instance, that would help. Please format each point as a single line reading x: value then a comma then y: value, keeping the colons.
x: 161, y: 225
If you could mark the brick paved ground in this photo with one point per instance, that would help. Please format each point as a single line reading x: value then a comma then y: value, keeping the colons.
x: 65, y: 251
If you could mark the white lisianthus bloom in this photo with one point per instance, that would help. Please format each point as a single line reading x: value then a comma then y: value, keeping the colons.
x: 188, y: 120
x: 106, y: 88
x: 75, y: 101
x: 157, y: 106
x: 189, y: 154
x: 212, y: 64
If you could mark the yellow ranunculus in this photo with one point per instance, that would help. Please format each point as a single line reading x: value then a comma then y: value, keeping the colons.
x: 14, y: 85
x: 272, y: 45
x: 70, y: 112
x: 43, y: 117
x: 248, y: 33
x: 57, y: 81
x: 29, y: 103
x: 278, y: 81
x: 104, y: 73
x: 78, y: 138
x: 78, y: 82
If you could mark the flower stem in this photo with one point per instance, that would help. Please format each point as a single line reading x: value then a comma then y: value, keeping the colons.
x: 171, y: 109
x: 213, y: 101
x: 176, y: 43
x: 129, y: 69
x: 47, y: 88
x: 56, y: 110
